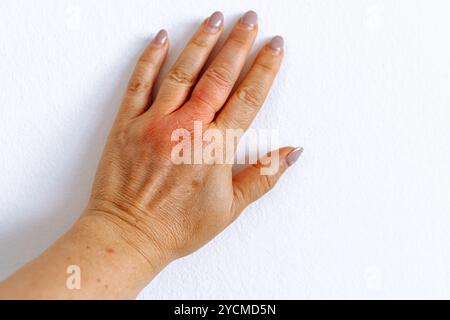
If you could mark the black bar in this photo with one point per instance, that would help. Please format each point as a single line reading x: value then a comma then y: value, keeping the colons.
x: 173, y: 310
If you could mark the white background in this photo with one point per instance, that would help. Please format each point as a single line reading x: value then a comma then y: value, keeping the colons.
x: 364, y: 88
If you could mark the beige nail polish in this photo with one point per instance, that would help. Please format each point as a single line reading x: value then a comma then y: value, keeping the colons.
x: 250, y: 19
x: 293, y: 157
x: 215, y: 22
x: 161, y: 38
x: 277, y: 43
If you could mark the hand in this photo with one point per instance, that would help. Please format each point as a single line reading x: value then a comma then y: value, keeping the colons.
x: 176, y: 209
x: 160, y: 210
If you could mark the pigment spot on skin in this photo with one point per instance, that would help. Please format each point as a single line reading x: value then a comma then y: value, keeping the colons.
x: 110, y: 250
x: 99, y: 280
x: 195, y: 183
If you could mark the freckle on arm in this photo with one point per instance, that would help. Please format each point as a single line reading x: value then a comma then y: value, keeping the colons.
x: 195, y: 184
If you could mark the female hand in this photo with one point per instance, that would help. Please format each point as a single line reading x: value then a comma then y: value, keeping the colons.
x: 152, y: 209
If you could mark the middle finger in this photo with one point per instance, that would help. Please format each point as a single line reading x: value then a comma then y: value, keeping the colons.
x: 215, y: 86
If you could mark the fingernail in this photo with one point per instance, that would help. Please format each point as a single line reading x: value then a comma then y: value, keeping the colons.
x: 277, y: 43
x: 292, y: 157
x: 161, y: 38
x: 250, y: 19
x: 215, y: 22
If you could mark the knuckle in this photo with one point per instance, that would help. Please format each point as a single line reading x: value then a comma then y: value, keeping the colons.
x: 221, y: 76
x: 266, y: 67
x: 266, y: 183
x: 201, y: 108
x: 229, y: 122
x: 147, y: 62
x: 138, y: 85
x: 200, y: 43
x: 123, y: 137
x: 181, y: 76
x: 252, y: 96
x: 239, y: 41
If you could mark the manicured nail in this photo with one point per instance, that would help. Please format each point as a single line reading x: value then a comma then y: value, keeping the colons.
x: 277, y: 43
x: 292, y: 157
x: 250, y: 19
x: 161, y: 38
x: 215, y: 22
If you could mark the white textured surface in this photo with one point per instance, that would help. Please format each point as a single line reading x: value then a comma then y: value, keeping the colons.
x: 364, y: 87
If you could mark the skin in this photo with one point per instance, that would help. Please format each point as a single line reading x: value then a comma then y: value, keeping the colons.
x: 144, y: 211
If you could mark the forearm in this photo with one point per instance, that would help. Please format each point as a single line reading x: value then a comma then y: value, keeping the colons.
x: 109, y: 267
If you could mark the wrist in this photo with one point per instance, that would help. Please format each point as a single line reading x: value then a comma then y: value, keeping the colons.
x: 112, y: 265
x: 125, y: 245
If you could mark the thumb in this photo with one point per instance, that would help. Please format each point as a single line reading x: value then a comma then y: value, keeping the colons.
x: 254, y: 182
